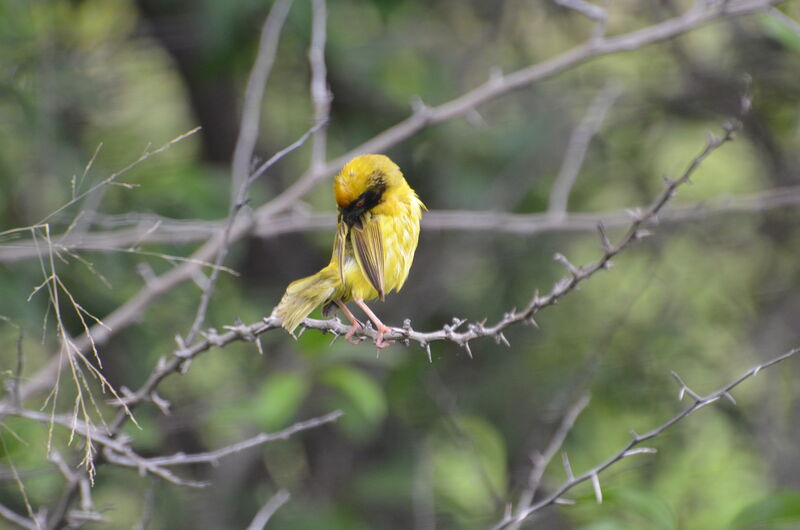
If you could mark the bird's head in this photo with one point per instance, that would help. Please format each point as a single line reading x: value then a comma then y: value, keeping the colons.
x: 363, y: 183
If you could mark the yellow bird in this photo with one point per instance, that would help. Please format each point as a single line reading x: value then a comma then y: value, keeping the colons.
x: 376, y: 237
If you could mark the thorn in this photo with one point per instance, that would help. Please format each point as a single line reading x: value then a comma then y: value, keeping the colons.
x: 499, y: 338
x: 604, y: 238
x: 575, y: 271
x: 428, y: 350
x: 259, y: 345
x: 418, y: 106
x: 729, y: 397
x: 496, y: 75
x: 640, y: 451
x: 563, y: 501
x: 634, y: 213
x: 162, y: 404
x: 567, y: 466
x: 756, y: 370
x: 642, y: 233
x: 684, y: 388
x: 598, y: 493
x: 469, y: 351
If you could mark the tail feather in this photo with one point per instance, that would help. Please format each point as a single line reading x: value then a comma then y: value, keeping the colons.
x: 306, y: 294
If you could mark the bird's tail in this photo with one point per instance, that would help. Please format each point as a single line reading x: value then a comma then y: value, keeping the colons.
x: 304, y: 295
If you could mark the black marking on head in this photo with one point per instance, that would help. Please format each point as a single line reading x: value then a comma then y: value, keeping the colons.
x: 351, y: 214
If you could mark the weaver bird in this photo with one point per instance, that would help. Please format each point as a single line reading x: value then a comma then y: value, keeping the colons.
x: 376, y: 237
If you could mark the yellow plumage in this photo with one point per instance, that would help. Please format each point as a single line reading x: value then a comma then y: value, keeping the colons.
x: 376, y: 237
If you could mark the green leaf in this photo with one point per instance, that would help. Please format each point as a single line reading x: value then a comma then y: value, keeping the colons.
x: 468, y: 457
x: 279, y: 398
x: 364, y: 402
x: 781, y: 508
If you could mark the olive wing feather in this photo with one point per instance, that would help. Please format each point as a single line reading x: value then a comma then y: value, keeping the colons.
x: 368, y: 249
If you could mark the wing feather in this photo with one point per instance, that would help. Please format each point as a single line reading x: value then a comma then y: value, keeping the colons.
x: 338, y: 247
x: 368, y: 249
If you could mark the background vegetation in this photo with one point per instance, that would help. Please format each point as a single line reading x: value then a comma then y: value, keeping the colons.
x: 445, y: 443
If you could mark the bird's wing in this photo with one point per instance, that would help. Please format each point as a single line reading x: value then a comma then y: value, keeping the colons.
x: 368, y: 248
x: 338, y: 247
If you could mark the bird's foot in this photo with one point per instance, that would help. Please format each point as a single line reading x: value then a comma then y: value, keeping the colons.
x: 379, y: 342
x: 349, y: 335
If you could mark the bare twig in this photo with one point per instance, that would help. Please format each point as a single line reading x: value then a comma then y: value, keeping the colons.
x: 577, y: 147
x: 268, y: 510
x: 631, y: 448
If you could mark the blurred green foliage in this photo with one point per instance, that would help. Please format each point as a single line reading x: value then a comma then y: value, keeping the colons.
x: 446, y: 442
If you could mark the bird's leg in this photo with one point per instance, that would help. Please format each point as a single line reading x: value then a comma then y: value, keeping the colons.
x: 355, y: 324
x: 380, y: 326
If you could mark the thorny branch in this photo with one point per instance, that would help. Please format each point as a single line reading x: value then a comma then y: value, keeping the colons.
x: 631, y: 448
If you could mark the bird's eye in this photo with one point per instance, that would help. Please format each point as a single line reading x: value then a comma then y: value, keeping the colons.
x: 359, y: 203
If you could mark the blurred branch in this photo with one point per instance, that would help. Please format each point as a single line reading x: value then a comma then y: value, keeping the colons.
x: 213, y: 457
x: 631, y: 448
x: 236, y: 206
x: 241, y: 178
x: 590, y: 11
x: 254, y: 94
x: 268, y: 510
x: 158, y: 230
x: 542, y: 460
x: 784, y: 19
x: 320, y: 93
x: 117, y: 450
x: 19, y: 520
x: 577, y: 147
